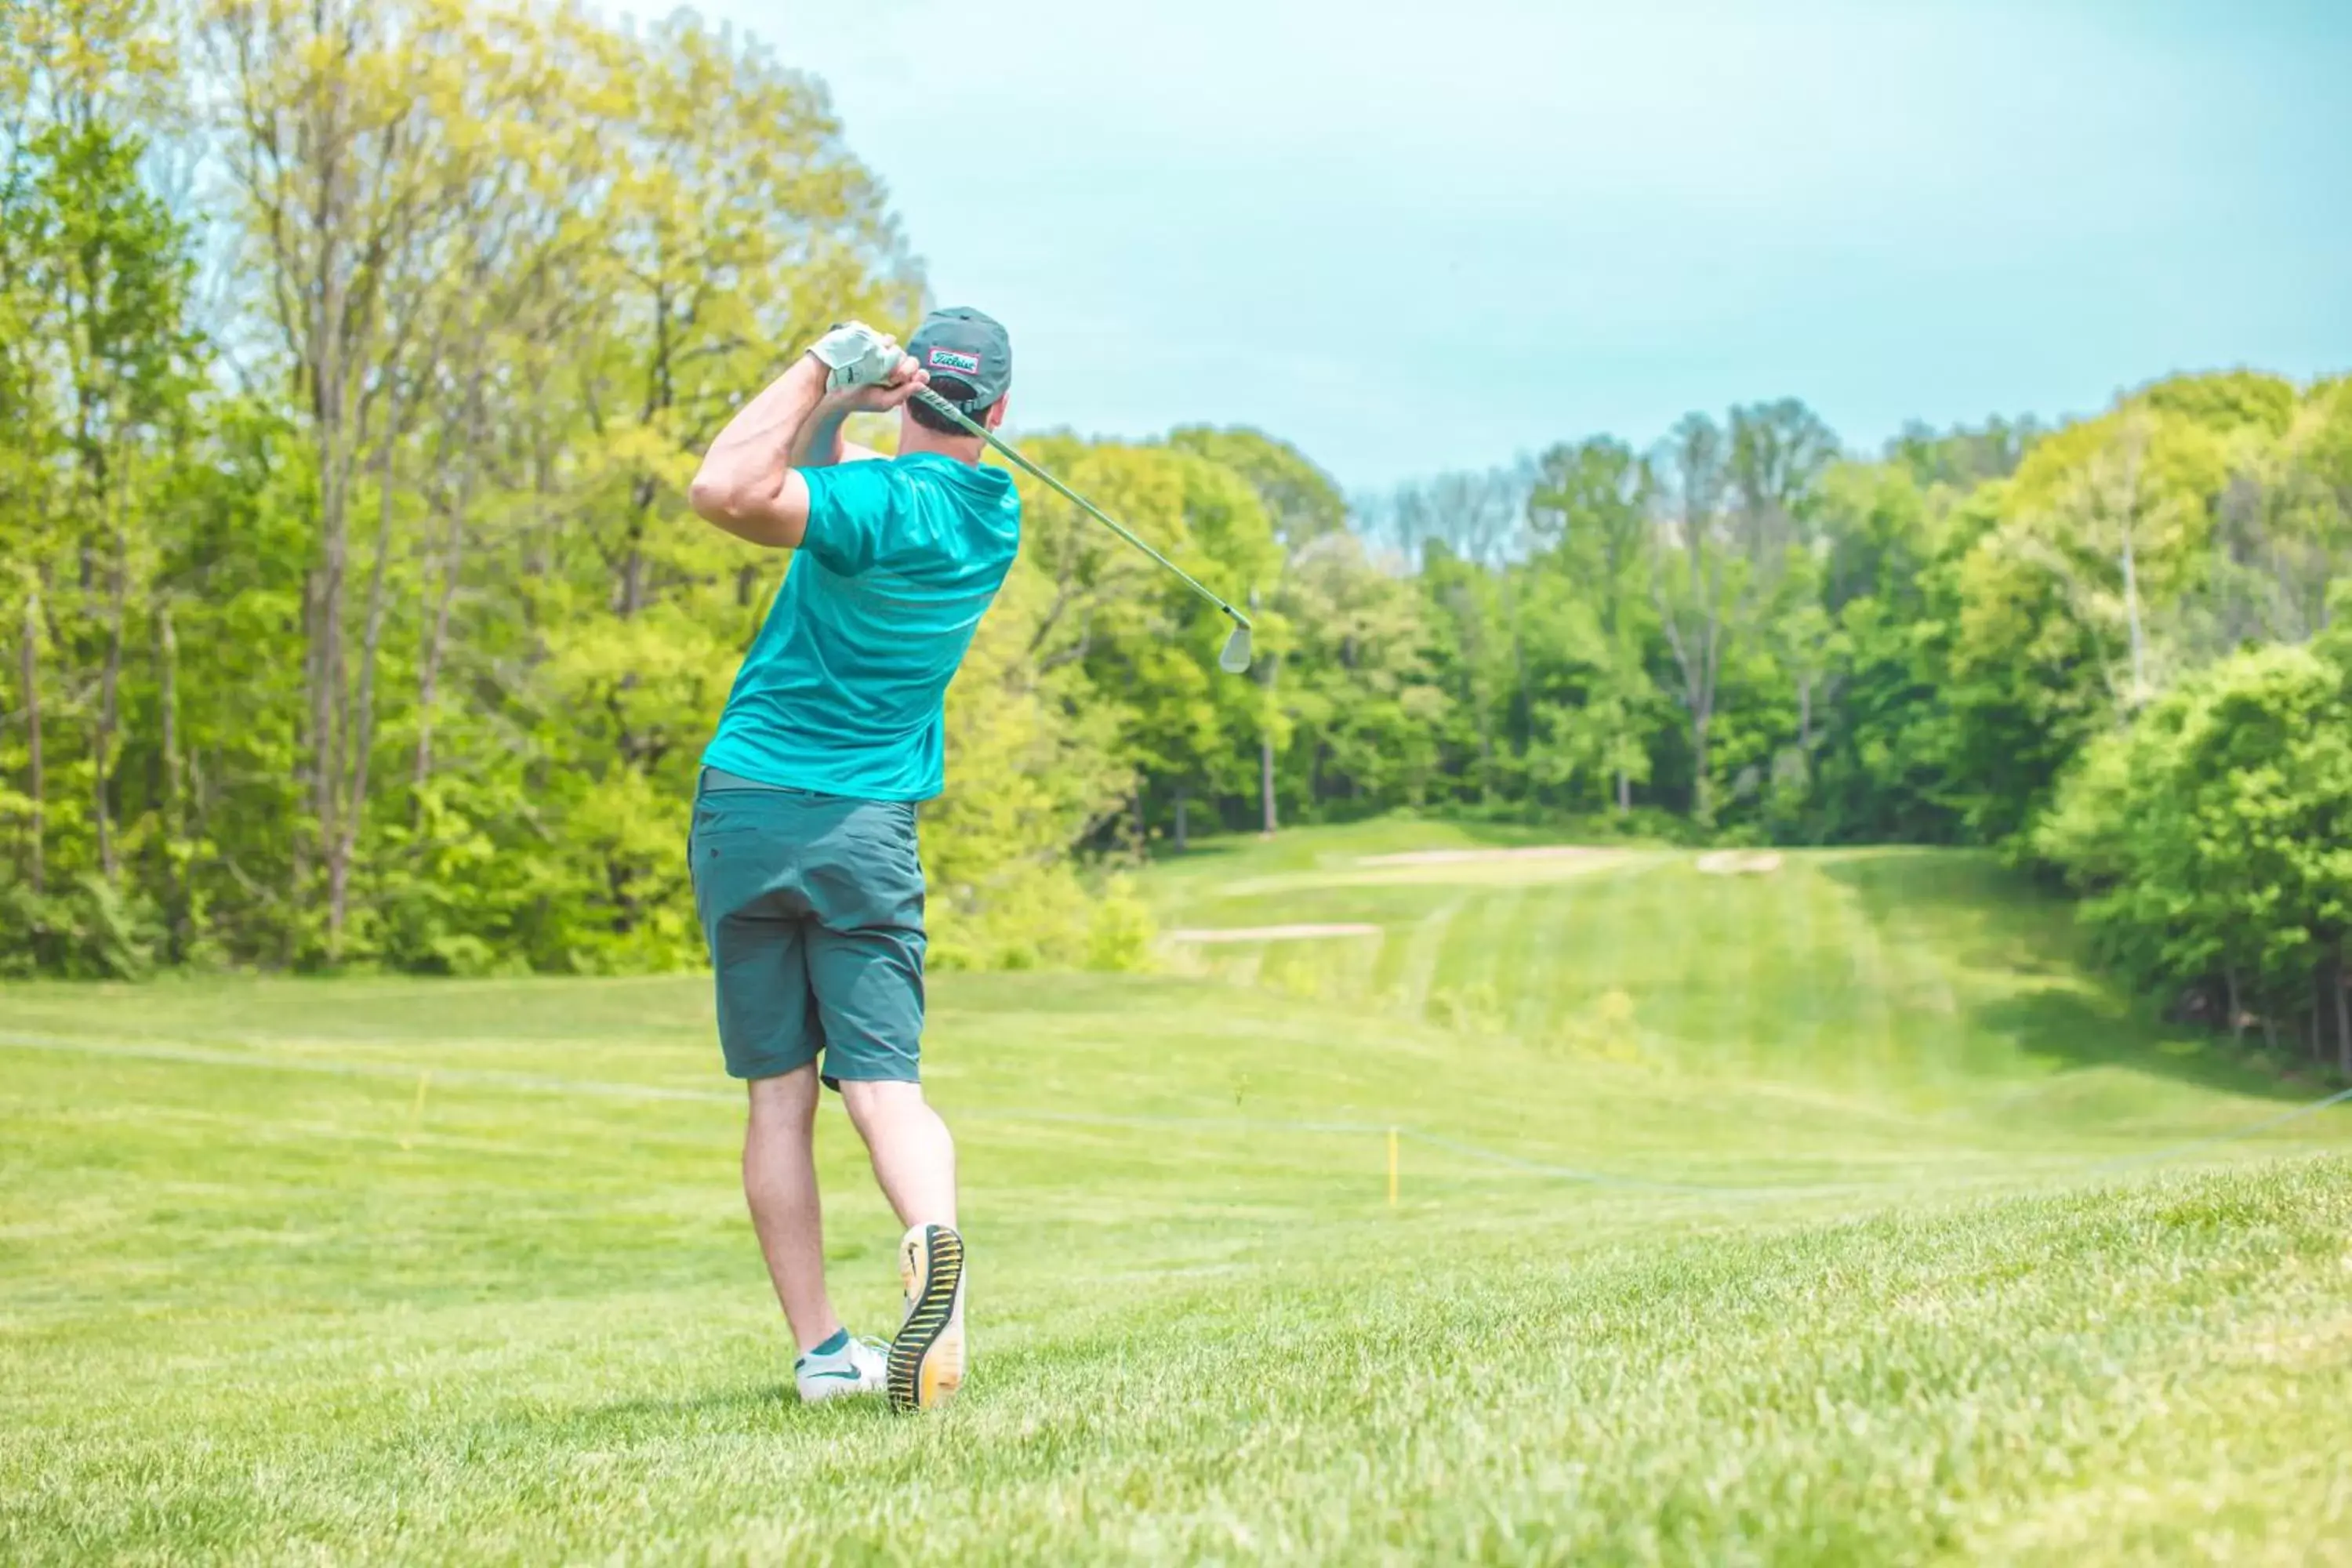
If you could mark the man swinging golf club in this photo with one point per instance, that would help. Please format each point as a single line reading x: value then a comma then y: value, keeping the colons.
x: 806, y: 874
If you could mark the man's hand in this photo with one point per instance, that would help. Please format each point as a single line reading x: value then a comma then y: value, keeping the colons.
x: 881, y: 396
x: 855, y: 355
x: 865, y: 371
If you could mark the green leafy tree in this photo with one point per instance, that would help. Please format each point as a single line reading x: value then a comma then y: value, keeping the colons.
x: 1304, y: 508
x: 2214, y: 841
x: 1590, y: 513
x: 1702, y: 583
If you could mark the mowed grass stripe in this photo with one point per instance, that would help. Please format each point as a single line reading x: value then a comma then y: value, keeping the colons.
x: 1535, y: 1012
x: 1811, y: 911
x: 1425, y: 951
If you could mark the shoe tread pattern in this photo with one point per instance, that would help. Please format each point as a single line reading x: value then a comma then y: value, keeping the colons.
x: 928, y: 1320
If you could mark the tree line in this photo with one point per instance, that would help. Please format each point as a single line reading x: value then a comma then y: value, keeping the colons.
x: 2115, y: 650
x: 354, y: 361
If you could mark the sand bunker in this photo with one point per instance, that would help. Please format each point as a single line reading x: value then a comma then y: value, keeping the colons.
x: 1739, y: 862
x: 1272, y: 933
x: 1474, y: 856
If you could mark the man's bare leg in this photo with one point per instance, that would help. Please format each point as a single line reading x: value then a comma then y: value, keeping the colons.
x: 912, y: 1150
x: 780, y: 1185
x: 914, y: 1159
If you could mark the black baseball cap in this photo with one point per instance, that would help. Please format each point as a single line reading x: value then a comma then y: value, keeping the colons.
x: 964, y: 345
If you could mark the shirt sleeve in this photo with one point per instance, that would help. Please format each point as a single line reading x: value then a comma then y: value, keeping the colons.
x: 856, y: 510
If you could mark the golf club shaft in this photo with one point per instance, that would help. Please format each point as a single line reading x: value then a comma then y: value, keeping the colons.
x: 934, y: 401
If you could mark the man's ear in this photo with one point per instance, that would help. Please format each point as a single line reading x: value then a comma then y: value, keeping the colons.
x: 996, y: 412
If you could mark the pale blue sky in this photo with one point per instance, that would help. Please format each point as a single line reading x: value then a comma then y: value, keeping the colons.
x: 1415, y: 237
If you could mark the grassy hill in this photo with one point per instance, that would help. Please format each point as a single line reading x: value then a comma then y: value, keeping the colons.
x: 1914, y: 974
x: 1827, y: 1214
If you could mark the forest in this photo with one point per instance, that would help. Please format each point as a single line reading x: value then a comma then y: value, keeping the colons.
x: 354, y: 360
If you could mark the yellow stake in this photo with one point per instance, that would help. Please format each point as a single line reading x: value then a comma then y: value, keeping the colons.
x: 1392, y: 1167
x: 416, y: 1111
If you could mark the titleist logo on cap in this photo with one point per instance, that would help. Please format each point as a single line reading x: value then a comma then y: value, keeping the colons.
x: 953, y: 359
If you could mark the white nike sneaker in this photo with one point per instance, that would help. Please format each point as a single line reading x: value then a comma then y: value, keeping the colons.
x: 927, y: 1358
x: 857, y: 1367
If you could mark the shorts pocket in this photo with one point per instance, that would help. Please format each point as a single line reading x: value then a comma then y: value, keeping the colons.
x: 727, y: 814
x: 883, y: 824
x: 867, y: 863
x: 728, y: 857
x: 707, y: 841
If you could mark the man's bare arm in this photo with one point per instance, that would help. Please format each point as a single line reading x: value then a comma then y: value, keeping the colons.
x: 746, y: 484
x: 820, y: 444
x: 750, y: 482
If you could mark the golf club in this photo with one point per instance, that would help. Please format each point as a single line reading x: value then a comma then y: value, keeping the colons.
x: 1234, y: 658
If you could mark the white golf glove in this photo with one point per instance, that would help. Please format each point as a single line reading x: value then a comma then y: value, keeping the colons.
x: 856, y: 355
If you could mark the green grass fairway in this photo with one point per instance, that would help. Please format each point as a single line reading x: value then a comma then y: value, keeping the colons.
x: 1828, y: 1216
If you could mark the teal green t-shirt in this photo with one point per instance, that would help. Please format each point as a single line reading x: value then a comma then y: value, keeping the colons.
x: 841, y: 690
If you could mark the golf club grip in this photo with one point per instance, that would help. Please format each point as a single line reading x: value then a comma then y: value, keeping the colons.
x: 933, y: 401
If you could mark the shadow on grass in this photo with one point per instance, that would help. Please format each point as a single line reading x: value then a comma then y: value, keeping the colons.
x: 756, y: 1411
x: 2056, y: 1007
x: 1200, y: 850
x: 2058, y: 1024
x: 744, y: 1406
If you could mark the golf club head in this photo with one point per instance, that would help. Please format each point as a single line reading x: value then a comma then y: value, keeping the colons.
x: 1236, y: 658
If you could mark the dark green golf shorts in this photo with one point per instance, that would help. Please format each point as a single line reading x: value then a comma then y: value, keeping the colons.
x: 812, y: 906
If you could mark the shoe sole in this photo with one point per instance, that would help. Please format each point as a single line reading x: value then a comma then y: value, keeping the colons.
x: 919, y: 1379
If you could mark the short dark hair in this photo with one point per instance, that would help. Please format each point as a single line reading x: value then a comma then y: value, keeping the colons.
x: 956, y: 391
